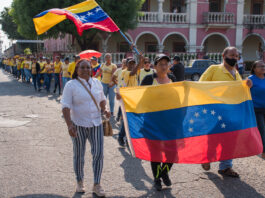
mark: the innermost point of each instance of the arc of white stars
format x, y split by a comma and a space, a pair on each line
89, 14
223, 126
190, 129
220, 118
196, 114
98, 9
191, 121
204, 111
213, 112
82, 18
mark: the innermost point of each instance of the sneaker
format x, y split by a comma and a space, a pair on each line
166, 180
121, 142
157, 184
98, 190
80, 187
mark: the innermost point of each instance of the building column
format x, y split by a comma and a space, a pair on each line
160, 10
192, 16
239, 24
161, 48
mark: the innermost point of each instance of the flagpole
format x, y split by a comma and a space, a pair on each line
134, 48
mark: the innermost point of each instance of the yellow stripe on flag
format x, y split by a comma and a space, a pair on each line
44, 23
182, 94
82, 7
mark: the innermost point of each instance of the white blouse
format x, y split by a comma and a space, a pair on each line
83, 109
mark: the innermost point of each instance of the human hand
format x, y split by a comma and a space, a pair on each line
72, 131
249, 83
118, 96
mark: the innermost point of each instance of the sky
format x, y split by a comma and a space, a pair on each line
6, 42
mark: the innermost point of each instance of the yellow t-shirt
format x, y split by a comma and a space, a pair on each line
219, 73
34, 68
127, 80
22, 65
57, 67
65, 70
107, 72
118, 73
27, 64
42, 67
143, 74
49, 68
71, 68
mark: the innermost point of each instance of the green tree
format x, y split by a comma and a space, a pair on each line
124, 13
8, 25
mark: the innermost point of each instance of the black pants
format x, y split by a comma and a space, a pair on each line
159, 169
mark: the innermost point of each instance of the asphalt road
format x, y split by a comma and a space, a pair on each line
36, 158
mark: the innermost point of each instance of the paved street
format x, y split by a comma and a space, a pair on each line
36, 158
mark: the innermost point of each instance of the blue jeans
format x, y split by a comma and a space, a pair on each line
47, 81
36, 81
122, 131
57, 82
27, 74
225, 164
65, 80
109, 91
261, 126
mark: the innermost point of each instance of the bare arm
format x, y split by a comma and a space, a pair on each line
67, 118
102, 105
140, 64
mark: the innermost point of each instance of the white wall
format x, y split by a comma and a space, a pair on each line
250, 46
215, 43
145, 38
170, 40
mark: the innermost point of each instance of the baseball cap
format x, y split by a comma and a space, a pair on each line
160, 57
94, 58
176, 58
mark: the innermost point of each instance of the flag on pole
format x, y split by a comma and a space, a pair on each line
190, 122
85, 15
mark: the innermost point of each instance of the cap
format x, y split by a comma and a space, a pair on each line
176, 58
130, 59
160, 57
94, 58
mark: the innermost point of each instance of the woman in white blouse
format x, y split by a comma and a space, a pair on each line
84, 122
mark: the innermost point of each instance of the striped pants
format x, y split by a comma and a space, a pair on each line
95, 138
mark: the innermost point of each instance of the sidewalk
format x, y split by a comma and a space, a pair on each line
36, 158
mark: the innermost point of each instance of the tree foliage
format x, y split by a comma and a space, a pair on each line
8, 25
124, 13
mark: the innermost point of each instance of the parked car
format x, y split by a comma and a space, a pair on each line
195, 68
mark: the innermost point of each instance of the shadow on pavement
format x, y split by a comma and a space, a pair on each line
134, 174
233, 187
40, 196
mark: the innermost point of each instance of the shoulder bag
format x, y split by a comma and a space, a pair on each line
107, 128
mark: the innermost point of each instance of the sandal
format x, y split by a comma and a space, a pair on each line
206, 166
229, 172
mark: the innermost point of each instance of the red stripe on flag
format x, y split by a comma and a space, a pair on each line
106, 25
201, 149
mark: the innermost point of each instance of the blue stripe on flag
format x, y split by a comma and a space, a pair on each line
192, 121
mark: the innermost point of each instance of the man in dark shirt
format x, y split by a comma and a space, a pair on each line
178, 69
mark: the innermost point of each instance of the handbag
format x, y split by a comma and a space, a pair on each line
107, 128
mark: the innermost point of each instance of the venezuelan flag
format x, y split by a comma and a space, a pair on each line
85, 15
191, 122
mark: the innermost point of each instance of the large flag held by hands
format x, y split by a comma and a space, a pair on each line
191, 122
85, 15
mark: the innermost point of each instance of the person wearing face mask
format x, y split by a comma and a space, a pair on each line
224, 72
